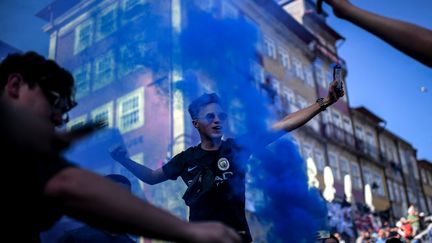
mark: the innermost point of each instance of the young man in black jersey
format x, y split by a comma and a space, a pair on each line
213, 170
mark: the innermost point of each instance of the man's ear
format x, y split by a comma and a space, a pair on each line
195, 123
13, 85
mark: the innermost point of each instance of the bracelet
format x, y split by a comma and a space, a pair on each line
320, 101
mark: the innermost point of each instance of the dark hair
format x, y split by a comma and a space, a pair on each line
120, 179
35, 69
203, 100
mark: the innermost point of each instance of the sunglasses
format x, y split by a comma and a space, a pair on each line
211, 116
60, 104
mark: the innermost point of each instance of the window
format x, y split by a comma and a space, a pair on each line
391, 192
336, 118
307, 152
325, 116
129, 56
344, 166
423, 176
320, 74
378, 180
76, 122
367, 176
270, 48
429, 175
104, 70
359, 132
319, 159
396, 192
355, 175
290, 98
370, 138
309, 77
83, 36
334, 165
284, 58
301, 102
82, 80
107, 22
228, 11
130, 110
104, 113
347, 124
298, 68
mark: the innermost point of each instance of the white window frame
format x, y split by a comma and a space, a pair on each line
307, 151
109, 108
270, 47
355, 175
101, 81
86, 71
334, 164
309, 77
80, 120
319, 159
78, 45
336, 118
112, 9
344, 166
347, 124
136, 94
284, 58
298, 68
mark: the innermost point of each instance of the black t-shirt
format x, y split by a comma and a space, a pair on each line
225, 200
27, 210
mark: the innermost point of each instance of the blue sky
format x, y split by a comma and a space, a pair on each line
386, 81
380, 78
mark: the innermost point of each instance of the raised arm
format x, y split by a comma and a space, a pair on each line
413, 40
101, 203
142, 172
299, 118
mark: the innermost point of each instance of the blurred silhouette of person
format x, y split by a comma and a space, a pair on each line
88, 234
35, 96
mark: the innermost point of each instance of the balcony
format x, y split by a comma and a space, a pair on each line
367, 149
339, 135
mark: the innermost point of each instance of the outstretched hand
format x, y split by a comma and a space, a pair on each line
334, 94
118, 153
64, 140
338, 6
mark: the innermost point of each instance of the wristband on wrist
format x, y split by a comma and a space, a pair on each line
320, 101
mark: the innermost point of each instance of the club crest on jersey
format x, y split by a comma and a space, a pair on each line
223, 164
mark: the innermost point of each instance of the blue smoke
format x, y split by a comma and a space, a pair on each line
221, 52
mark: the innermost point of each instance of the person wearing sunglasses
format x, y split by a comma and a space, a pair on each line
35, 95
211, 170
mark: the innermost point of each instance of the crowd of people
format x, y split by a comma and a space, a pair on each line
415, 227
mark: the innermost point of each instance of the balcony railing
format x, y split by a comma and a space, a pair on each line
339, 135
367, 149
